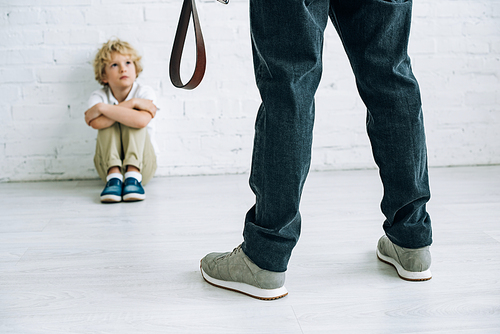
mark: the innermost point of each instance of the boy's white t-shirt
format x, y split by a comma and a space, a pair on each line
104, 95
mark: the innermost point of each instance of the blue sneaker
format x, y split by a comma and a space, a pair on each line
133, 190
112, 192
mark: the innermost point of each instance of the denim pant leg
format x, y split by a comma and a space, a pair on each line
375, 35
287, 42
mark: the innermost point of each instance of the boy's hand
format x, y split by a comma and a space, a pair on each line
145, 105
92, 114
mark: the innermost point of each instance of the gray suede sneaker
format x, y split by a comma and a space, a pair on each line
235, 271
411, 264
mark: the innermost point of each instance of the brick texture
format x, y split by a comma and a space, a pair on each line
47, 46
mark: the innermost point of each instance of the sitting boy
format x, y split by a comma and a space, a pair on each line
122, 112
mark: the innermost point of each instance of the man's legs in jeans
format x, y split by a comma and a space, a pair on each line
375, 36
287, 42
287, 39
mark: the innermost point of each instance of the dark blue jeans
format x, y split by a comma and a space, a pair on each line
287, 42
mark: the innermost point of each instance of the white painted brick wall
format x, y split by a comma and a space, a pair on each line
47, 46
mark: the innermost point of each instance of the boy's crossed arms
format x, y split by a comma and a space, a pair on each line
135, 113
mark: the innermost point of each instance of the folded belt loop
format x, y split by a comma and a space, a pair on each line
188, 8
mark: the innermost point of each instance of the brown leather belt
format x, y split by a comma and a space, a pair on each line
188, 8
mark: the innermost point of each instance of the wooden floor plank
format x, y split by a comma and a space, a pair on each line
69, 264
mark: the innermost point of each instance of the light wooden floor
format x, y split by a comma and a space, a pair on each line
69, 264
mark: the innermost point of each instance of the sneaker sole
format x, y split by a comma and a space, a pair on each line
111, 199
246, 289
134, 197
405, 274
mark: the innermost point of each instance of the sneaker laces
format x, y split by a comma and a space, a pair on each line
235, 251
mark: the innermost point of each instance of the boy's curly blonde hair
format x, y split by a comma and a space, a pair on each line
103, 57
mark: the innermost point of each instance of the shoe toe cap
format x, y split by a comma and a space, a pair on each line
132, 186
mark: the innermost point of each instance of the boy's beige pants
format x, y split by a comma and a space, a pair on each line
120, 145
